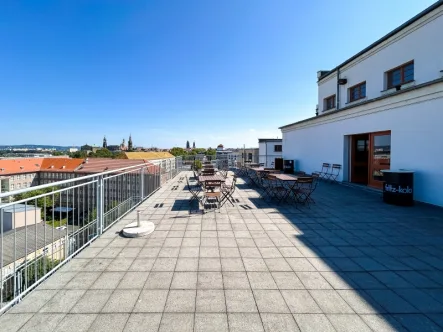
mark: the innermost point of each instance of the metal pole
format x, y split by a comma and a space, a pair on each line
138, 218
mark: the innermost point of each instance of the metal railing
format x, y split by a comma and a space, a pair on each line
43, 227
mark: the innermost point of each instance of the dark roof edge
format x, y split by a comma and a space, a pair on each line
416, 87
261, 140
389, 35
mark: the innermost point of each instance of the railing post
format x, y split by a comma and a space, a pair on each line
100, 204
142, 184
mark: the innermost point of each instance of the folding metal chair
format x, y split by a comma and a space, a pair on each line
303, 190
335, 172
195, 190
324, 173
227, 190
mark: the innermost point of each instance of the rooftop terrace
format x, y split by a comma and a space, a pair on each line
347, 263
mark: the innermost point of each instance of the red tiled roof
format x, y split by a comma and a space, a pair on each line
20, 165
98, 165
60, 164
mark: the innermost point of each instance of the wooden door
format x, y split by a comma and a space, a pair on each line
379, 157
360, 158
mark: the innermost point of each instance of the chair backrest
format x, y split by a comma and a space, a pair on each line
213, 183
336, 167
326, 165
305, 179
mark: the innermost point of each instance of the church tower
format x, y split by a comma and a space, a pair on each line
130, 143
193, 145
105, 143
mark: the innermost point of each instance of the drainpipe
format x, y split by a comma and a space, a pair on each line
338, 89
266, 157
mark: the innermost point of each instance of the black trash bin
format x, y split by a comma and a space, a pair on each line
398, 187
288, 167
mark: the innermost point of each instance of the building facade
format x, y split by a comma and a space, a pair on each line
381, 109
269, 149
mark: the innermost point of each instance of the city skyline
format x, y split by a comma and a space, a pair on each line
73, 69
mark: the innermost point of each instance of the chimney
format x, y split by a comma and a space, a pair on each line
63, 166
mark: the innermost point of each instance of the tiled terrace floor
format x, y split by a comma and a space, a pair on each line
349, 263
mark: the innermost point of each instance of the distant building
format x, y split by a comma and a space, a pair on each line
269, 149
72, 150
20, 215
87, 148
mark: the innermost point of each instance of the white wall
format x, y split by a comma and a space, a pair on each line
267, 154
415, 119
421, 42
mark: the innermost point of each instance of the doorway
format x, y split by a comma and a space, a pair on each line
370, 155
360, 159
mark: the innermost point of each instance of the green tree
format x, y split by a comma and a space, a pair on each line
211, 152
78, 154
102, 153
197, 165
119, 155
177, 151
59, 153
47, 201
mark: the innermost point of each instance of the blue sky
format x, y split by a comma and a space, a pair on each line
169, 71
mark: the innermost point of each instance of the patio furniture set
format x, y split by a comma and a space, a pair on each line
212, 187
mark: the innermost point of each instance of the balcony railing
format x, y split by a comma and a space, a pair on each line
43, 227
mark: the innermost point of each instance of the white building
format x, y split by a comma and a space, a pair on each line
269, 149
381, 109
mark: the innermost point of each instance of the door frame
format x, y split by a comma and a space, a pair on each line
371, 182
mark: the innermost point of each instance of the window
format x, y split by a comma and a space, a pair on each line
277, 148
357, 92
400, 75
329, 103
12, 187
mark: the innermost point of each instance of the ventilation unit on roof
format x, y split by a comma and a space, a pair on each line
63, 166
21, 167
52, 166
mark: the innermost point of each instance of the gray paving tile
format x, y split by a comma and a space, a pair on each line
210, 280
109, 322
360, 302
313, 323
164, 264
133, 280
417, 279
181, 301
145, 322
63, 301
159, 280
229, 252
348, 323
261, 280
184, 280
279, 322
151, 300
338, 280
240, 300
390, 301
177, 322
209, 264
57, 280
364, 280
13, 322
210, 300
417, 323
42, 322
330, 302
210, 322
313, 280
421, 300
278, 265
33, 302
108, 280
287, 280
232, 264
270, 301
382, 323
76, 323
209, 252
300, 301
142, 264
149, 252
245, 322
83, 280
255, 264
92, 301
186, 265
300, 265
121, 301
236, 280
